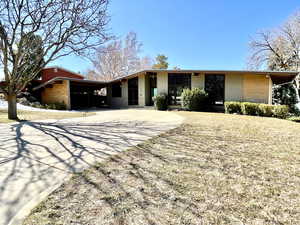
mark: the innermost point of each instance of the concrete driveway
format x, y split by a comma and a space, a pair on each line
36, 157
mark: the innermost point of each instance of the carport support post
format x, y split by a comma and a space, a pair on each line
141, 90
68, 104
270, 101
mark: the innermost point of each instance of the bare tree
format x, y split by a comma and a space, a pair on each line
119, 58
278, 49
64, 27
146, 63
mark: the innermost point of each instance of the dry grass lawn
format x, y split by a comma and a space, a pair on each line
214, 169
42, 115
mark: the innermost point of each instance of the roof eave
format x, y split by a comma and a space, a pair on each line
290, 73
67, 78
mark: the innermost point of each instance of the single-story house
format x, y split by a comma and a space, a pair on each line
60, 85
251, 86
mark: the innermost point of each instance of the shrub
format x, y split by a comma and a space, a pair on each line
161, 102
36, 105
253, 109
281, 111
294, 119
233, 107
194, 100
249, 108
266, 110
56, 105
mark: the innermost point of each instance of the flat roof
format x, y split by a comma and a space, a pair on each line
267, 72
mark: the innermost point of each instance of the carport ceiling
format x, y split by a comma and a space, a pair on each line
83, 86
277, 79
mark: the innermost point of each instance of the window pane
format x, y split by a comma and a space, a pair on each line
177, 82
214, 86
116, 90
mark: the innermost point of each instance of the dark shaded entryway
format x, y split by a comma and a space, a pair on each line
133, 91
87, 95
215, 87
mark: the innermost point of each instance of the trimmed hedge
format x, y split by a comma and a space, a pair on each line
161, 102
281, 111
194, 100
256, 109
249, 108
266, 110
233, 107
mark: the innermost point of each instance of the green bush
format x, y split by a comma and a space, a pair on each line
161, 102
194, 100
233, 107
253, 109
56, 106
281, 111
294, 119
250, 108
266, 110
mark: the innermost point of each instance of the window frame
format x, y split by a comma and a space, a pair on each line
177, 81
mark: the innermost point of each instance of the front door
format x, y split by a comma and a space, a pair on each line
133, 91
215, 87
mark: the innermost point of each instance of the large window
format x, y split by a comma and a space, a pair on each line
153, 86
214, 86
177, 82
116, 90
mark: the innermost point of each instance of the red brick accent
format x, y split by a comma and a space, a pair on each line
50, 73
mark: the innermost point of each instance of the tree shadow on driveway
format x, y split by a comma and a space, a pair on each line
37, 155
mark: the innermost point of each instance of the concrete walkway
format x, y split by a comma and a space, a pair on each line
36, 157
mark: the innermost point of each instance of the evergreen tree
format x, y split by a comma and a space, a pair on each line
161, 62
33, 53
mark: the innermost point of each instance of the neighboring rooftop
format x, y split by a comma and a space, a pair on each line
61, 68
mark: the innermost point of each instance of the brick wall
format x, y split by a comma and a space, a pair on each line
57, 93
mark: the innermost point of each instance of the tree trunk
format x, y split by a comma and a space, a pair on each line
12, 106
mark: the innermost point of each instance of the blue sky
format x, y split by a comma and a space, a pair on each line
194, 34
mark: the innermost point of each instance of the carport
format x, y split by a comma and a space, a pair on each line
75, 93
87, 94
280, 78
